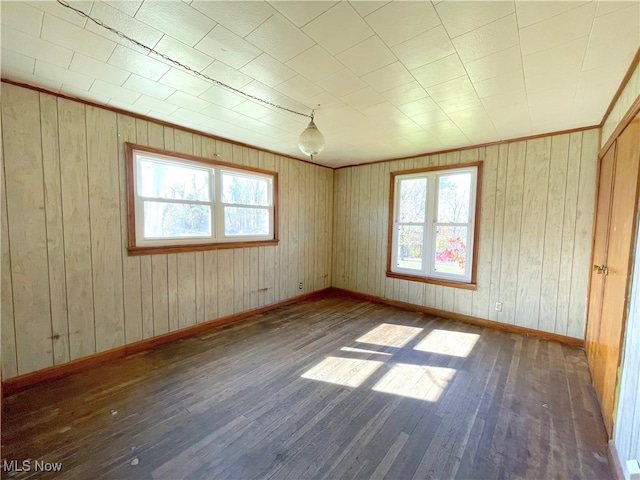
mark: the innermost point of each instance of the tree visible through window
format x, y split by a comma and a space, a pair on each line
432, 235
179, 200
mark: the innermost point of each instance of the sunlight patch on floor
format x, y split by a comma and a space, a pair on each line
389, 335
445, 342
349, 372
362, 350
415, 381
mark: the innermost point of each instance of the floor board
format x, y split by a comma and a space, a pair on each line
325, 389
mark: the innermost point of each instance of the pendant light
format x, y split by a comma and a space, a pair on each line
311, 141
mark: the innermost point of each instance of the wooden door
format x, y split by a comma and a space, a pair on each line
613, 247
599, 258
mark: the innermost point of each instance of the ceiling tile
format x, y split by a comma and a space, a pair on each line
324, 100
386, 78
405, 93
71, 36
223, 97
298, 88
494, 65
367, 56
315, 63
534, 12
62, 75
465, 16
603, 78
261, 90
186, 100
183, 53
462, 102
415, 53
116, 18
22, 17
57, 10
439, 71
613, 5
228, 75
37, 48
94, 68
502, 83
279, 38
130, 7
430, 117
418, 107
557, 30
151, 103
614, 37
338, 29
559, 60
268, 70
239, 17
170, 17
185, 82
365, 7
189, 116
342, 83
114, 92
148, 87
138, 63
86, 95
302, 12
363, 98
16, 63
487, 40
453, 88
229, 48
220, 113
414, 18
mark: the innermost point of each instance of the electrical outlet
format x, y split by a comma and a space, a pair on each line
300, 286
498, 306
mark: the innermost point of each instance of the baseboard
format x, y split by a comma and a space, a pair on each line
574, 342
22, 382
614, 462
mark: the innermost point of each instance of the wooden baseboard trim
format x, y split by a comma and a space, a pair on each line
22, 382
614, 462
574, 342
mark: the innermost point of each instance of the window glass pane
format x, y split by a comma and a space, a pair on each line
413, 198
454, 192
176, 182
175, 220
451, 250
241, 221
244, 189
410, 246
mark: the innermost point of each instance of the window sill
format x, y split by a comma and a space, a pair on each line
434, 281
136, 251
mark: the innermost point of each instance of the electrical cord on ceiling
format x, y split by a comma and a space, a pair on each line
120, 34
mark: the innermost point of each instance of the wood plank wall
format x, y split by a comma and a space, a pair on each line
535, 233
627, 97
69, 289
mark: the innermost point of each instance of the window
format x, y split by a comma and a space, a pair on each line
180, 203
433, 232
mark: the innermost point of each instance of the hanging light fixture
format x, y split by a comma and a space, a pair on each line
311, 141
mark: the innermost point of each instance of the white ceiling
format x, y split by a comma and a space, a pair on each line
387, 79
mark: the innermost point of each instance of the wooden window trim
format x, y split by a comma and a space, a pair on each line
134, 249
472, 285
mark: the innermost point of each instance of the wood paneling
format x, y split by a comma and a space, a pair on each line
534, 240
73, 291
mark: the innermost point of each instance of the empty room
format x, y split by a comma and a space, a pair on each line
320, 239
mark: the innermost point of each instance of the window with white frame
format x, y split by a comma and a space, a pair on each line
434, 223
179, 200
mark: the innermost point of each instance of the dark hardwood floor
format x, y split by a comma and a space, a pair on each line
335, 388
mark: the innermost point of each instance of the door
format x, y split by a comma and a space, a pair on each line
614, 236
